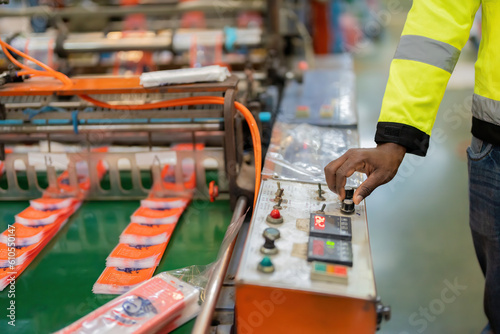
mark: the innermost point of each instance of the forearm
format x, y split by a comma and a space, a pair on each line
434, 34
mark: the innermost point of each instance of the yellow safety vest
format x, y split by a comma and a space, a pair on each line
434, 34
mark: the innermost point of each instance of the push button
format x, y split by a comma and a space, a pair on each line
274, 217
266, 265
270, 235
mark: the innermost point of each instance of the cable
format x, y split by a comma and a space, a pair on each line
50, 72
195, 100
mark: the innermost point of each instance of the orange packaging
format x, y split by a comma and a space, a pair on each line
144, 310
31, 216
188, 175
23, 235
82, 172
127, 256
7, 275
63, 182
22, 253
118, 281
158, 203
47, 203
151, 216
138, 234
16, 258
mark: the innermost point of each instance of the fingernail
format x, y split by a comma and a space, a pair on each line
359, 198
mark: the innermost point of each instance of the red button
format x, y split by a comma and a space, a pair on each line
275, 214
340, 271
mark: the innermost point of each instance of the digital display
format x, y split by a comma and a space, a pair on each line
319, 222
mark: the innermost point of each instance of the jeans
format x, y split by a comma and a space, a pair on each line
484, 199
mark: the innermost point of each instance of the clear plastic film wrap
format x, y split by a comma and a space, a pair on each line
326, 97
300, 152
162, 303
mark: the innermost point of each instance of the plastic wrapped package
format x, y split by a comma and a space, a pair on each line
148, 308
151, 216
11, 270
139, 234
22, 253
164, 203
27, 253
300, 152
185, 75
24, 236
115, 281
47, 203
33, 217
326, 98
127, 256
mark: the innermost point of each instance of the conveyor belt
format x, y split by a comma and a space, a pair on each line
56, 289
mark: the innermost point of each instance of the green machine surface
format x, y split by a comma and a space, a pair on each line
56, 289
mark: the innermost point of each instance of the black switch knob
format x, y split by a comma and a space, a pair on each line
347, 206
270, 235
349, 192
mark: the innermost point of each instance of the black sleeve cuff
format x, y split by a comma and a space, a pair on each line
415, 141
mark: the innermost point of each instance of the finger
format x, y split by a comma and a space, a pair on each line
331, 169
373, 181
343, 172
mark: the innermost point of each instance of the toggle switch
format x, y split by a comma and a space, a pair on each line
278, 206
320, 193
274, 217
266, 265
322, 210
279, 190
279, 195
270, 235
347, 206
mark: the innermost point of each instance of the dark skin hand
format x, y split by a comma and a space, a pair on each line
380, 164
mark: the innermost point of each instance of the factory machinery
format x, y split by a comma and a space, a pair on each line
301, 262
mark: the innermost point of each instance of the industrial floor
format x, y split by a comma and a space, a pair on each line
420, 238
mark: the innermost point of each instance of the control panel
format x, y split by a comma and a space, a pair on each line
303, 238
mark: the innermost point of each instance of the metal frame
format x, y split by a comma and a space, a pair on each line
111, 160
216, 121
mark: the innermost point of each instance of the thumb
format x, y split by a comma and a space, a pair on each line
366, 188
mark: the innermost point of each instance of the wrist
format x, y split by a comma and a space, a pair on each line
393, 148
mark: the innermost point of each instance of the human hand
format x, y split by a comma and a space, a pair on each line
380, 164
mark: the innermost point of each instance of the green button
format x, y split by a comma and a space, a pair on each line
320, 266
266, 262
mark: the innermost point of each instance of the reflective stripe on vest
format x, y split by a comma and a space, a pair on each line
428, 51
486, 109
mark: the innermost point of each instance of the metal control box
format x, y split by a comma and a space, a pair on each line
288, 300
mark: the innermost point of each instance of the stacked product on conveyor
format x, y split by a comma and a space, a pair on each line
36, 225
145, 239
